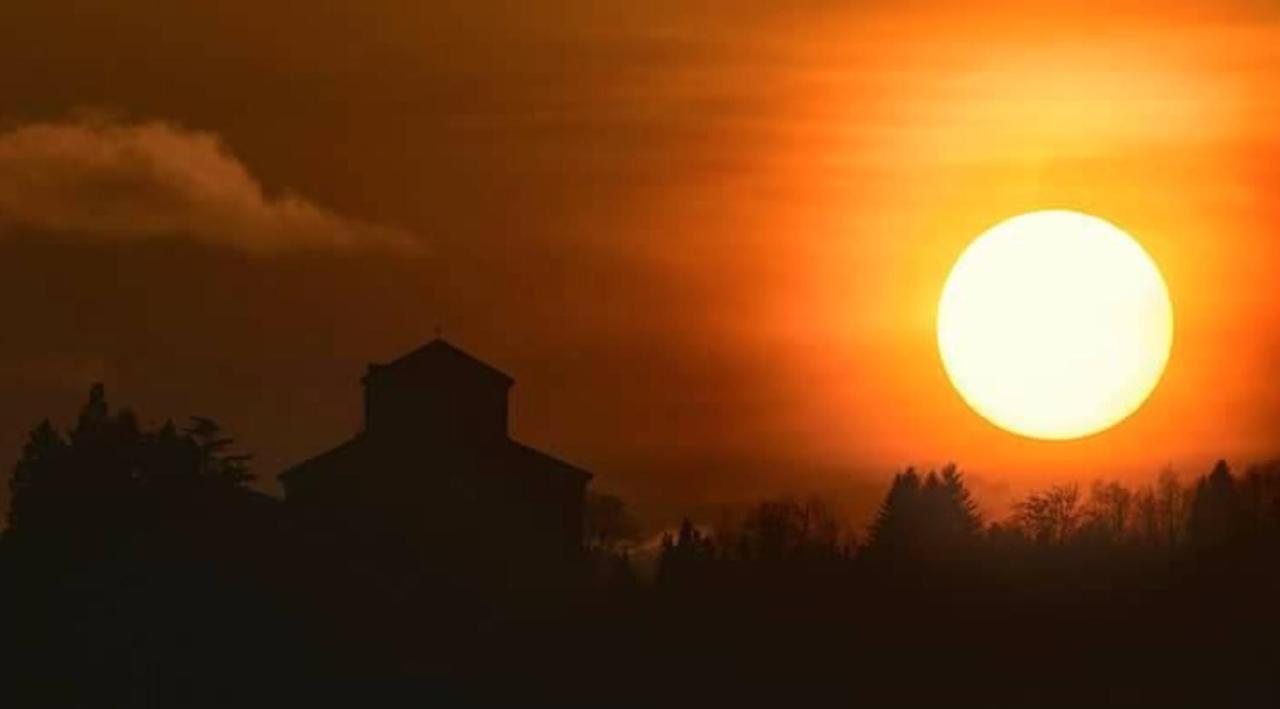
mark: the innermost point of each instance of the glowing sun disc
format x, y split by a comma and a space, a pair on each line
1055, 325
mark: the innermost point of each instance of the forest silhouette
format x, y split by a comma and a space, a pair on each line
139, 568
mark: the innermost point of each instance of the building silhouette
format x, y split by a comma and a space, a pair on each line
435, 473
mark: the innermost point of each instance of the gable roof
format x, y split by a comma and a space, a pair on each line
438, 355
336, 457
350, 456
544, 459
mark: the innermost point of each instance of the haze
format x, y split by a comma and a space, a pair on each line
709, 253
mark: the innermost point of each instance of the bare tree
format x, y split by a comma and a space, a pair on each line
1146, 517
1052, 516
1109, 510
1160, 511
610, 525
785, 528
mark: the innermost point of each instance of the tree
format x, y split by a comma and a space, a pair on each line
1215, 512
610, 526
1260, 498
36, 478
108, 478
785, 529
959, 522
1160, 511
931, 518
1109, 511
207, 449
1050, 517
893, 531
687, 558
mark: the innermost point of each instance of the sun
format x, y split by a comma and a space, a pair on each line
1055, 325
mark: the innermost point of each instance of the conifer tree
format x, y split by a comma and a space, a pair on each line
892, 533
963, 521
1215, 508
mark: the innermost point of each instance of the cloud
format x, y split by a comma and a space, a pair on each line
105, 180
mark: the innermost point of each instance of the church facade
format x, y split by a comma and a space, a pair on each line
436, 472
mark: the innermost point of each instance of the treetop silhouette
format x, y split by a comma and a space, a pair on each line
108, 476
924, 519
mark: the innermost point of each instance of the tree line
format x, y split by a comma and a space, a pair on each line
140, 557
933, 518
109, 479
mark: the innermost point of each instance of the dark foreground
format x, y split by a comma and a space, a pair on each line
140, 570
215, 632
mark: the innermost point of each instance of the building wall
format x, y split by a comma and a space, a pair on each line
441, 408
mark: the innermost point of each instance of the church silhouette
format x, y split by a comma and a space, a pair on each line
435, 472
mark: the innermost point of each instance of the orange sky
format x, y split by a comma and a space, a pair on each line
706, 238
907, 134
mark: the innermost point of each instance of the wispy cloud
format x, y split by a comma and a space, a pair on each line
107, 180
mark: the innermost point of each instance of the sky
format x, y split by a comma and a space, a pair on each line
706, 238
